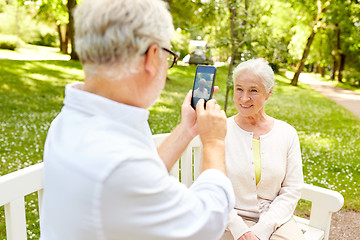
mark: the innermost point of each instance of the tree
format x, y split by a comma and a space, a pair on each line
344, 15
61, 12
236, 38
56, 11
316, 25
190, 19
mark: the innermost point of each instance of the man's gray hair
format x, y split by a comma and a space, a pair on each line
120, 31
260, 68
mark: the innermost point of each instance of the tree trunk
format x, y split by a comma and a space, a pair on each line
335, 53
234, 33
341, 66
17, 25
322, 68
315, 68
301, 64
333, 69
67, 38
322, 71
235, 36
62, 39
229, 80
71, 5
341, 55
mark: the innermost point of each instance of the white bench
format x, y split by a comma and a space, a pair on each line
15, 186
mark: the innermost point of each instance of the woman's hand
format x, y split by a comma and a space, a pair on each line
248, 236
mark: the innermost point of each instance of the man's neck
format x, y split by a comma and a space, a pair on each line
123, 91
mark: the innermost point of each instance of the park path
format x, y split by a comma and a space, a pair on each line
346, 98
345, 224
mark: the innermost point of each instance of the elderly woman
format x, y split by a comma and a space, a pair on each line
201, 91
263, 161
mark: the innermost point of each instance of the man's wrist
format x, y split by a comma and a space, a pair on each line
186, 131
213, 143
214, 155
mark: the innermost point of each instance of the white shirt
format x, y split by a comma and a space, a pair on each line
273, 200
103, 179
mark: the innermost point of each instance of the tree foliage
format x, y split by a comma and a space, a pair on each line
285, 32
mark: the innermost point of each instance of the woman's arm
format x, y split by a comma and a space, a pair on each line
236, 225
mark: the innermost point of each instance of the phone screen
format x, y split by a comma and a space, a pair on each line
203, 84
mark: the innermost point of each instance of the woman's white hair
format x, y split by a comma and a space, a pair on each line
260, 68
119, 31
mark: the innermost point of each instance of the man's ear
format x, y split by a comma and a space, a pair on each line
152, 60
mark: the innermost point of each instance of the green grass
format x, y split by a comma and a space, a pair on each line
31, 94
329, 136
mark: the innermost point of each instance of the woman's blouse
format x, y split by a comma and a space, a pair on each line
272, 201
257, 159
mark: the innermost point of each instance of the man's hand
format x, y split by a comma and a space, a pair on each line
188, 115
172, 148
211, 124
211, 121
248, 236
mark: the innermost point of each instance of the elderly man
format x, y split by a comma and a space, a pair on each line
103, 176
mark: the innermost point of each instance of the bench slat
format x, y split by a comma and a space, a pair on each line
15, 220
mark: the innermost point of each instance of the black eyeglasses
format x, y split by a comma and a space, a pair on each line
172, 58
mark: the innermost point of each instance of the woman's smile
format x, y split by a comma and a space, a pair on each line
246, 106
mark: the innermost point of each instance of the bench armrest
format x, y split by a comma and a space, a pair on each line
324, 203
25, 181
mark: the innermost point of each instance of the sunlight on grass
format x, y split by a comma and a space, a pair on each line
162, 109
34, 52
321, 141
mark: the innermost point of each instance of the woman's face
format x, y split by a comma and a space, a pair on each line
249, 94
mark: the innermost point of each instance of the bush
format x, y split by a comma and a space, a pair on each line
8, 42
47, 39
275, 67
352, 77
19, 20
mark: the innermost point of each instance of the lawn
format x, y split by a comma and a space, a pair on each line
31, 94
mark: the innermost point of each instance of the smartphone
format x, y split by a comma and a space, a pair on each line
203, 84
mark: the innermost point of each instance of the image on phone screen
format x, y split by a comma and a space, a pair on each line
203, 84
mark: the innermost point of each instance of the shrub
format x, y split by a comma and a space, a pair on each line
275, 67
8, 42
47, 39
352, 77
